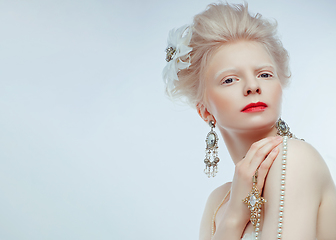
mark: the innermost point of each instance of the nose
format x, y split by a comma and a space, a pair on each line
252, 86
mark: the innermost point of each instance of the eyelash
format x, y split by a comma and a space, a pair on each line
234, 79
269, 75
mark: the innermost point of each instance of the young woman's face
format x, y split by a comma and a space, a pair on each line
239, 74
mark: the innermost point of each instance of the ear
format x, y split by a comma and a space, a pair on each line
204, 113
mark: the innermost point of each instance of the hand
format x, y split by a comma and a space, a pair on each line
260, 156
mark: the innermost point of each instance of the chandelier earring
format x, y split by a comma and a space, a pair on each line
211, 152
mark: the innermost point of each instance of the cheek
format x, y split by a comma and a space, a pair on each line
276, 95
279, 93
219, 102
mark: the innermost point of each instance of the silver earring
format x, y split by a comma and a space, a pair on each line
284, 130
211, 151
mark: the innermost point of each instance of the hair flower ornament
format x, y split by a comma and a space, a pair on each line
177, 54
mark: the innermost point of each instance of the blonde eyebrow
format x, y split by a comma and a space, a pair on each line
266, 66
223, 71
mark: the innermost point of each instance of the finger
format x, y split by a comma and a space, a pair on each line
265, 167
262, 153
255, 147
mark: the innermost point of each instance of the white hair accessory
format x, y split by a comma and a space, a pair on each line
177, 54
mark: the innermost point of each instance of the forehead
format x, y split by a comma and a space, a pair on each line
239, 56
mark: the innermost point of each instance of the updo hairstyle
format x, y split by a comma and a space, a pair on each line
217, 25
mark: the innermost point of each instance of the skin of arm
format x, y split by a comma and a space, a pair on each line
310, 197
214, 199
310, 200
233, 215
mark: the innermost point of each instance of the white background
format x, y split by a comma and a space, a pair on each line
91, 148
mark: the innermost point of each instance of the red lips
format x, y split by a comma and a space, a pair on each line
255, 107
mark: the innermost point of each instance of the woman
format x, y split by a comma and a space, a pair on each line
232, 67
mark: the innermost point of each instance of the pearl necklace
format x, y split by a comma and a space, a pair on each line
282, 187
282, 196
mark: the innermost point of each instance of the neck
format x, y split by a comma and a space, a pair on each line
238, 143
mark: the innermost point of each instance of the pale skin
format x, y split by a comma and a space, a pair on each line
237, 74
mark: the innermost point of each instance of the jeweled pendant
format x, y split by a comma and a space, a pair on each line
254, 203
211, 152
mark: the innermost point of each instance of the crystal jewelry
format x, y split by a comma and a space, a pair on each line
211, 151
281, 198
177, 54
284, 130
254, 202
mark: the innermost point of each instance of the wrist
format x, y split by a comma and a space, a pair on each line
232, 223
236, 217
234, 220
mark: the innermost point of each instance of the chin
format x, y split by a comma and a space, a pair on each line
259, 123
265, 123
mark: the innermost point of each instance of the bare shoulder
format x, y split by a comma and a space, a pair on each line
306, 182
298, 149
305, 170
217, 195
214, 199
306, 162
319, 180
304, 165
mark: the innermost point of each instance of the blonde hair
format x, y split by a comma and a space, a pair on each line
217, 25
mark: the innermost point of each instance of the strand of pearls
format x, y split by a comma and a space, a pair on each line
282, 187
256, 231
282, 198
282, 193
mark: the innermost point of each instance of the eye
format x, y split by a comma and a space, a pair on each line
265, 75
228, 80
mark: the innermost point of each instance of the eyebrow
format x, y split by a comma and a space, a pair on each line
266, 66
235, 70
223, 71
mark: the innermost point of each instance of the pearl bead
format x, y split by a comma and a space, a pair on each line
257, 229
257, 225
258, 215
282, 187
